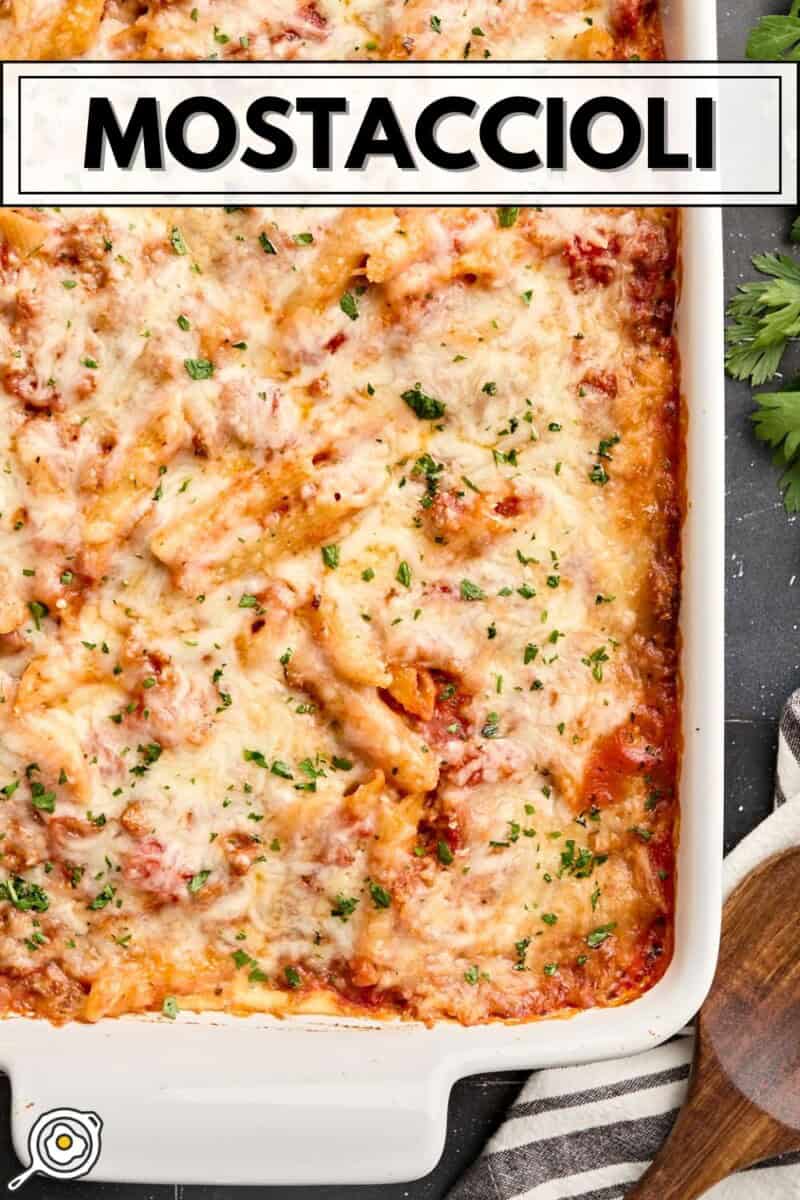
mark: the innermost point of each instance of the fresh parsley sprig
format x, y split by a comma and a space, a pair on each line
776, 38
763, 317
777, 422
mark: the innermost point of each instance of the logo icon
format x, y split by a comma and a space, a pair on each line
63, 1143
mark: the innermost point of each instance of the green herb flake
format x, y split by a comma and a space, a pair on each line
38, 611
169, 1007
444, 853
103, 898
426, 407
343, 906
470, 591
380, 897
176, 239
506, 217
599, 935
349, 306
199, 368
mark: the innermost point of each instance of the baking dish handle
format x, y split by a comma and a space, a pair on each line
187, 1103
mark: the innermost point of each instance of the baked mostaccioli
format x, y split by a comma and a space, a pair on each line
338, 602
247, 30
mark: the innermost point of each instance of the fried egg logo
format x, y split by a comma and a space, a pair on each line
63, 1143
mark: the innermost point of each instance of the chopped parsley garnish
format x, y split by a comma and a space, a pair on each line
292, 977
38, 611
199, 368
266, 244
599, 935
150, 753
380, 897
344, 906
470, 591
430, 470
579, 862
198, 881
184, 323
607, 445
349, 306
170, 1007
257, 757
506, 217
178, 244
444, 853
42, 800
330, 556
595, 662
303, 239
426, 407
491, 725
404, 574
472, 975
436, 24
103, 898
25, 896
521, 948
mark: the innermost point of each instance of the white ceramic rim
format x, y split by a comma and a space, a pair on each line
232, 1100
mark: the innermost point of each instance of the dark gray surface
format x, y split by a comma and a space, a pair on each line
762, 667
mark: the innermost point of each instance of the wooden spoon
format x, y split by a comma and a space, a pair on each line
744, 1093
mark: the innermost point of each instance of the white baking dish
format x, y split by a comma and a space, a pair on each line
229, 1100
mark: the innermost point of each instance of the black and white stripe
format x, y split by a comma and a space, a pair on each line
587, 1133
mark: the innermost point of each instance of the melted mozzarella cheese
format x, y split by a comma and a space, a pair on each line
337, 602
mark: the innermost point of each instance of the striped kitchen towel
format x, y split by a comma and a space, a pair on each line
587, 1133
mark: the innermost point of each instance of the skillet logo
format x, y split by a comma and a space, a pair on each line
63, 1143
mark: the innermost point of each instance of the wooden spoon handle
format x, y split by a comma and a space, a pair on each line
672, 1178
716, 1133
686, 1166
